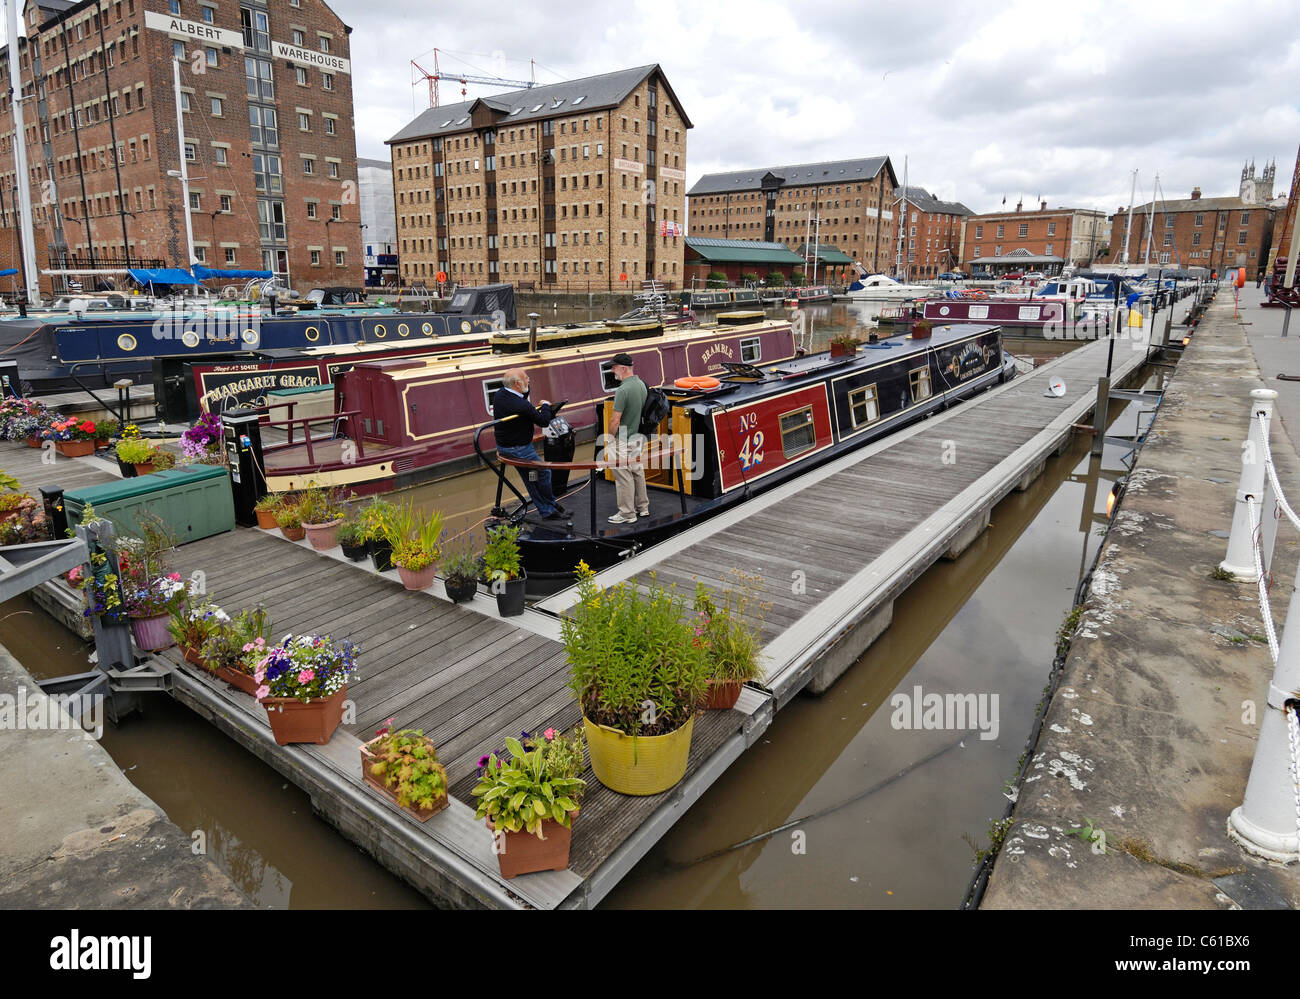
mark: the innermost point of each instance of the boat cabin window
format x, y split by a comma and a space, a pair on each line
751, 350
920, 384
797, 432
490, 389
978, 312
607, 378
864, 406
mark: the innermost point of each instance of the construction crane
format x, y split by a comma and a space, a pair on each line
464, 79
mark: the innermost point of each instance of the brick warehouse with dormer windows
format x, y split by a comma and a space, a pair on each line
572, 184
1214, 233
854, 199
1046, 240
266, 95
934, 230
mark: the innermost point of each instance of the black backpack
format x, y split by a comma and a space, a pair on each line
653, 412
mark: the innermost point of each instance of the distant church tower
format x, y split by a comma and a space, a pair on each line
1257, 191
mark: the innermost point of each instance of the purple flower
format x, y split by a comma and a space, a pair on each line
482, 761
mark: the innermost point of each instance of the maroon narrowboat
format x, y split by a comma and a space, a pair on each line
401, 421
808, 296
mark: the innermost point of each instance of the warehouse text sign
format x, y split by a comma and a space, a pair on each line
193, 29
323, 60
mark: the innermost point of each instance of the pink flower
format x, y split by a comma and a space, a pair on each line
175, 576
262, 691
259, 675
306, 676
549, 733
248, 647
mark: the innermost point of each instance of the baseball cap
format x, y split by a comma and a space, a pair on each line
622, 359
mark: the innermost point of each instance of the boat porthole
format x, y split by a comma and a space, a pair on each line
380, 332
190, 338
465, 327
427, 329
943, 310
126, 342
403, 330
312, 334
250, 336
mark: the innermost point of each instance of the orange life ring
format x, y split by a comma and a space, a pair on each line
697, 382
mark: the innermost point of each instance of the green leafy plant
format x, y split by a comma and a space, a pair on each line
352, 534
407, 764
414, 536
538, 781
627, 648
135, 451
374, 517
717, 279
797, 279
321, 506
775, 279
238, 644
194, 619
461, 565
730, 627
289, 515
163, 460
106, 430
501, 561
269, 503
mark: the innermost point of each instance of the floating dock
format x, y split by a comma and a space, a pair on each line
868, 525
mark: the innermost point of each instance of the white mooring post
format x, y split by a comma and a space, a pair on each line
1241, 553
1265, 822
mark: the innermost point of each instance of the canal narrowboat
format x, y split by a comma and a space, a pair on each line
809, 295
760, 426
403, 421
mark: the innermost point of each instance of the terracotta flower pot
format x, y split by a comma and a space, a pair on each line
76, 449
143, 467
33, 442
266, 520
723, 694
151, 633
323, 536
647, 764
524, 853
241, 681
293, 533
423, 814
192, 656
313, 721
417, 579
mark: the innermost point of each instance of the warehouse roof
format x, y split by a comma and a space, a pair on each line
798, 175
746, 251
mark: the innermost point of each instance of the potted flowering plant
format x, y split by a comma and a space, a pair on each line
24, 420
130, 432
921, 329
201, 443
322, 515
627, 650
150, 604
729, 630
844, 345
403, 767
530, 799
460, 572
505, 572
192, 621
374, 517
266, 509
302, 683
138, 453
74, 438
414, 537
289, 517
352, 539
105, 430
234, 649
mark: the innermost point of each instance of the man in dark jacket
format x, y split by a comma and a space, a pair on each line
515, 438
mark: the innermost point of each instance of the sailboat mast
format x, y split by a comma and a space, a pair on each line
185, 173
899, 269
24, 196
1128, 221
1151, 220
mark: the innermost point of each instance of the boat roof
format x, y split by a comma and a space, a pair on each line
784, 375
403, 369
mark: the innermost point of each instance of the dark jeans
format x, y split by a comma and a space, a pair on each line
540, 488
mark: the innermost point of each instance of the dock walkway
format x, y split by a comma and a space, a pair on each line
860, 530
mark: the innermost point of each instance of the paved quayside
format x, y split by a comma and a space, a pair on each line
1150, 735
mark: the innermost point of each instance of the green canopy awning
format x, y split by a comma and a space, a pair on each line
741, 251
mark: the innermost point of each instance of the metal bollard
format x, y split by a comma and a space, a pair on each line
1264, 824
1240, 560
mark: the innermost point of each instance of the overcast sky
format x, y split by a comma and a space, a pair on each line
1060, 101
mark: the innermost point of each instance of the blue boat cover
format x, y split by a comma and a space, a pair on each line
164, 275
205, 273
8, 271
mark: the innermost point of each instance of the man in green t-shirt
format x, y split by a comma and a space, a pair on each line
625, 429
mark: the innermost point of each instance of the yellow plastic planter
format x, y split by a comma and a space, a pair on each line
648, 764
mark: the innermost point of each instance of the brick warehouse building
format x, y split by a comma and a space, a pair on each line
571, 184
854, 199
1215, 233
1045, 240
267, 99
933, 232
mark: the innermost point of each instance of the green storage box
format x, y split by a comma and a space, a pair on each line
195, 501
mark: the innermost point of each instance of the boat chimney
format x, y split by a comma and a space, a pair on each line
1196, 194
532, 332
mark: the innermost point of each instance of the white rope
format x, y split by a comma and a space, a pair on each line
1293, 731
1272, 474
1265, 611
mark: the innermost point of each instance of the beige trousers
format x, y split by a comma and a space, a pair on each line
629, 483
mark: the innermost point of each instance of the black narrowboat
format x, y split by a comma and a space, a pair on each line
727, 439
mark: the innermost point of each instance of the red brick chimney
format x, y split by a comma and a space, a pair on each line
1043, 207
1196, 194
1020, 205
